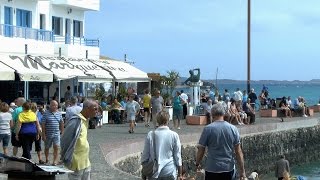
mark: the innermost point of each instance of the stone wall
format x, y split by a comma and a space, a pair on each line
260, 151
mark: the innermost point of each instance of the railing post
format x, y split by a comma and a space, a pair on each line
26, 49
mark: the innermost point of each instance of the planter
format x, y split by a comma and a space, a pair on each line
268, 113
196, 120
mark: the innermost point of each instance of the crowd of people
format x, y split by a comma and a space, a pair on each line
25, 123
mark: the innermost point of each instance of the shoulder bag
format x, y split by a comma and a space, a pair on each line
148, 168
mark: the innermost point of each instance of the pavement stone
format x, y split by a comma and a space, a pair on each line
113, 137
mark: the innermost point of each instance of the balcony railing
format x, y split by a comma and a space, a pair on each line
76, 40
24, 32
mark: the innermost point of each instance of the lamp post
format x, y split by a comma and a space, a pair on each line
248, 44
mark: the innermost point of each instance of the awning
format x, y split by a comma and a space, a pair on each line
60, 68
96, 73
122, 71
6, 73
27, 69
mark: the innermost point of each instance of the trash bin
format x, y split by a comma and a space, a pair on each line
21, 168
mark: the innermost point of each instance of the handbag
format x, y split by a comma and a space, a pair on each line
150, 167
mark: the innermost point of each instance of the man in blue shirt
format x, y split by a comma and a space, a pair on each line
222, 139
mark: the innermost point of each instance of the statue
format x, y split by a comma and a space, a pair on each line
194, 78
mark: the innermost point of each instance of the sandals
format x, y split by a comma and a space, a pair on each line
131, 131
41, 162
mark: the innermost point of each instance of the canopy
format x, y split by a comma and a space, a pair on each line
6, 73
27, 69
60, 68
97, 73
122, 71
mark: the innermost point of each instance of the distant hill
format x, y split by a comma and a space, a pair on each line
210, 82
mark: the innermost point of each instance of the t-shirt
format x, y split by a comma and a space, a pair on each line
156, 103
132, 108
146, 100
177, 102
52, 122
15, 116
220, 137
184, 97
5, 119
67, 95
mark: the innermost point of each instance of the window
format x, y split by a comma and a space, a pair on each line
77, 28
8, 31
24, 18
42, 21
57, 25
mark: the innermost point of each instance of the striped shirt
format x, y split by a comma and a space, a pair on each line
52, 121
5, 119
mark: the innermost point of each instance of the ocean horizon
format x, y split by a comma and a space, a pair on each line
310, 91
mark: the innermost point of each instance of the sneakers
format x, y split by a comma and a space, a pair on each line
305, 115
178, 128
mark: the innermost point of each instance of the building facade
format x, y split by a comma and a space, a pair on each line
47, 28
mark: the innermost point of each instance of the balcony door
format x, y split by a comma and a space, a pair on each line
57, 25
77, 28
8, 29
24, 18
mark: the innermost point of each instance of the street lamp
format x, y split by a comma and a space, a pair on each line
248, 44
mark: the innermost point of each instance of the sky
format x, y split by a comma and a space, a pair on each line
164, 35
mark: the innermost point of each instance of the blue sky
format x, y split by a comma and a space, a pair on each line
162, 35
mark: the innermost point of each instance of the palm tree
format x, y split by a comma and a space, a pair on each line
169, 82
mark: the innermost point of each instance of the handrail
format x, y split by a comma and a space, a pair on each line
8, 30
76, 40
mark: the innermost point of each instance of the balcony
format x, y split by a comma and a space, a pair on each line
81, 4
76, 41
10, 31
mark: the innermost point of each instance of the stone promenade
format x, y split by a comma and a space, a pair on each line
112, 142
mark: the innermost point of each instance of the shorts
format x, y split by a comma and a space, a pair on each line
14, 141
146, 109
5, 138
37, 144
55, 140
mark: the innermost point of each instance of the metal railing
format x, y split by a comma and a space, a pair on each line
25, 32
76, 40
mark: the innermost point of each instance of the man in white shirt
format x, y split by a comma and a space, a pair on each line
74, 109
238, 96
184, 97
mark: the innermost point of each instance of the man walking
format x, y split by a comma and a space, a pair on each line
74, 142
52, 127
222, 140
73, 109
282, 166
15, 115
156, 106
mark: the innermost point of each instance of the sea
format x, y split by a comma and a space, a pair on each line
311, 93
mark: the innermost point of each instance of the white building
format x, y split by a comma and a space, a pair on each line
43, 46
47, 27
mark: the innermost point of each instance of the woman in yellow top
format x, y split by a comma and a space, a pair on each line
28, 129
146, 107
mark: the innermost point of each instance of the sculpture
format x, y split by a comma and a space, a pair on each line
193, 77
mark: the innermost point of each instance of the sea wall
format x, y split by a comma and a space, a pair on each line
260, 151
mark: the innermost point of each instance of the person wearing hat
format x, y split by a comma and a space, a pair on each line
12, 107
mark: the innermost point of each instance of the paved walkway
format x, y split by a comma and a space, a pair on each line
111, 142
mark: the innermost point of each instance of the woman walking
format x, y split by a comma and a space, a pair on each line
177, 110
37, 144
28, 129
132, 109
163, 145
5, 124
